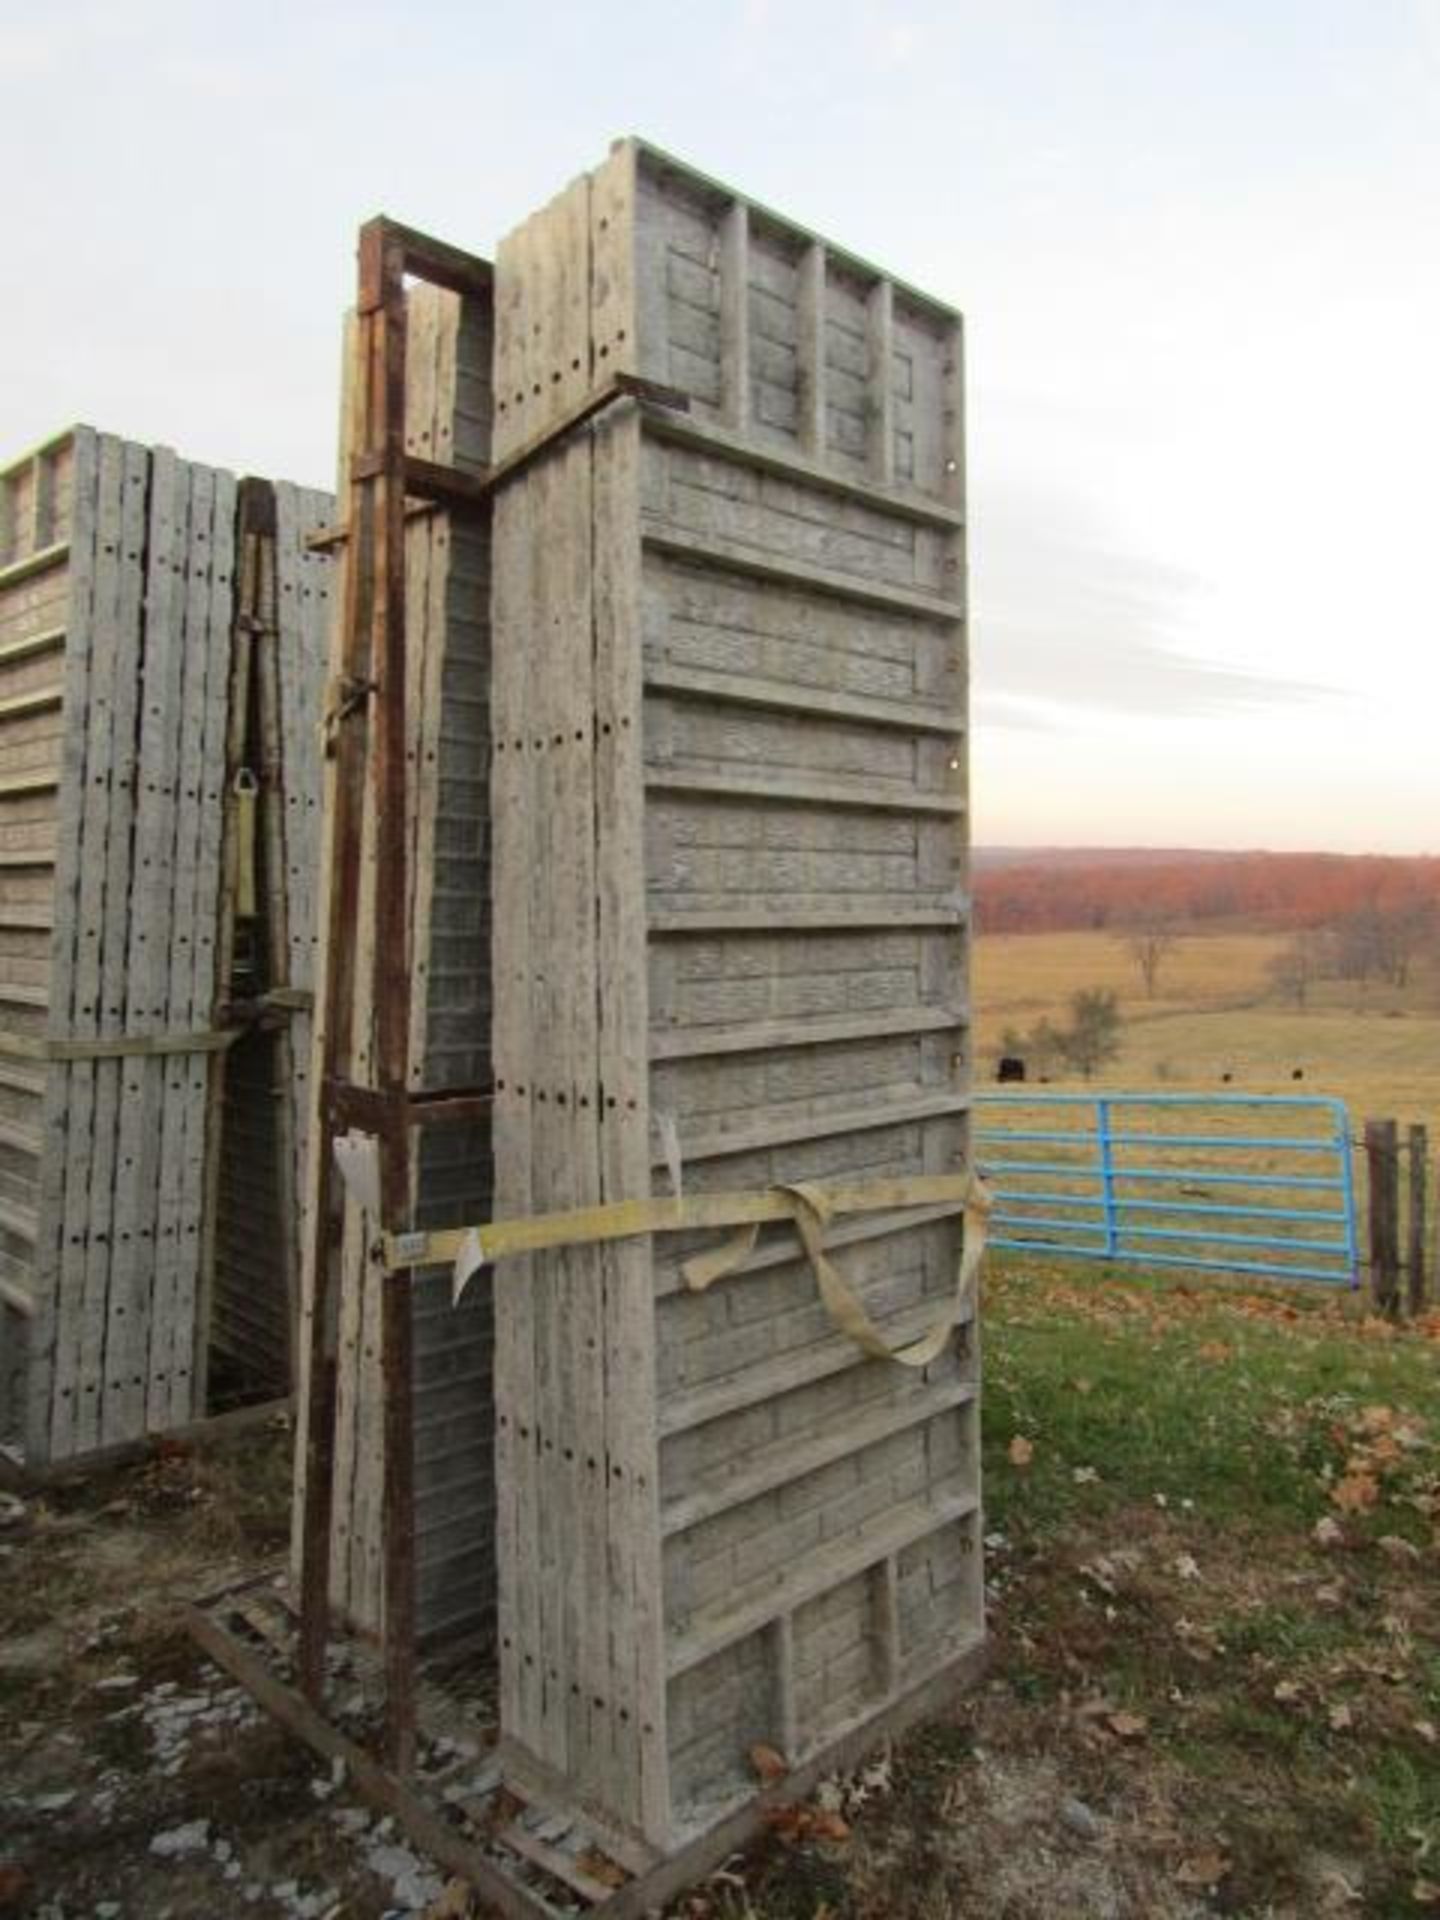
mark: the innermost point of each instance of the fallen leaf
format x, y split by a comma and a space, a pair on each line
601, 1867
1022, 1451
1287, 1692
1328, 1532
1203, 1870
1127, 1726
1402, 1552
1341, 1719
829, 1826
1427, 1732
789, 1822
451, 1903
1355, 1492
1425, 1893
1085, 1476
768, 1764
1187, 1566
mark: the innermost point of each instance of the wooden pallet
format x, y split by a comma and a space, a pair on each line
529, 1857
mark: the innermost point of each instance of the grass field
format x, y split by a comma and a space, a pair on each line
1216, 1011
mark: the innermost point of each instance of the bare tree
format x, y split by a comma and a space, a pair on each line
1149, 942
1297, 966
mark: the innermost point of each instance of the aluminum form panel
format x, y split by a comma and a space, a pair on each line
793, 631
140, 1296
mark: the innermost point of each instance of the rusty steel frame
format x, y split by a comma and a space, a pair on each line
383, 483
369, 747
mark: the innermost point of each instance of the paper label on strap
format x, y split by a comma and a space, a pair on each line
669, 1134
357, 1158
468, 1262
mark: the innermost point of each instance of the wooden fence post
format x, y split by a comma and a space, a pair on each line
1382, 1157
1419, 1169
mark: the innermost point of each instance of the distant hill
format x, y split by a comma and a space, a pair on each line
1053, 889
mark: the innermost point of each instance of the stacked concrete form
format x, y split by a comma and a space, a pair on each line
448, 355
730, 949
136, 656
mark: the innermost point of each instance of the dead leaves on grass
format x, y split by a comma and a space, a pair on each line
1356, 1492
768, 1765
1127, 1726
1021, 1451
1385, 1460
1202, 1872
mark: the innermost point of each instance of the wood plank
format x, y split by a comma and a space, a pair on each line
51, 641
760, 918
513, 806
880, 405
129, 1306
206, 1070
797, 790
81, 1325
558, 1865
755, 1385
722, 1142
710, 1630
775, 1465
49, 1372
754, 1036
735, 317
45, 561
512, 786
784, 1249
16, 785
641, 1738
811, 356
785, 697
806, 468
42, 700
661, 537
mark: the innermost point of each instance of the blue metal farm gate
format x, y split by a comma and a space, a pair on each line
1237, 1183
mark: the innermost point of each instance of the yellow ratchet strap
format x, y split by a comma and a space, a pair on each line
808, 1207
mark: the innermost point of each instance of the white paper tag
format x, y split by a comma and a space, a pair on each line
357, 1157
670, 1146
468, 1262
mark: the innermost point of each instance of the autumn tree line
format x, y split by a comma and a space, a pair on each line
1058, 892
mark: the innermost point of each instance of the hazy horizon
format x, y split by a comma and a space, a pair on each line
1195, 249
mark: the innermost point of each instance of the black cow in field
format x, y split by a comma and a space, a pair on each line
1012, 1067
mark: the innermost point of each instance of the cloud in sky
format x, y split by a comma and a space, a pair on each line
1067, 621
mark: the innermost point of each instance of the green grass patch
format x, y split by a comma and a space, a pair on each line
1178, 1445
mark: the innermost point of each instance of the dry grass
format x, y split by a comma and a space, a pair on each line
1216, 1012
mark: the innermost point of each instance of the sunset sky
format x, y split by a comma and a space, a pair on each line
1198, 249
